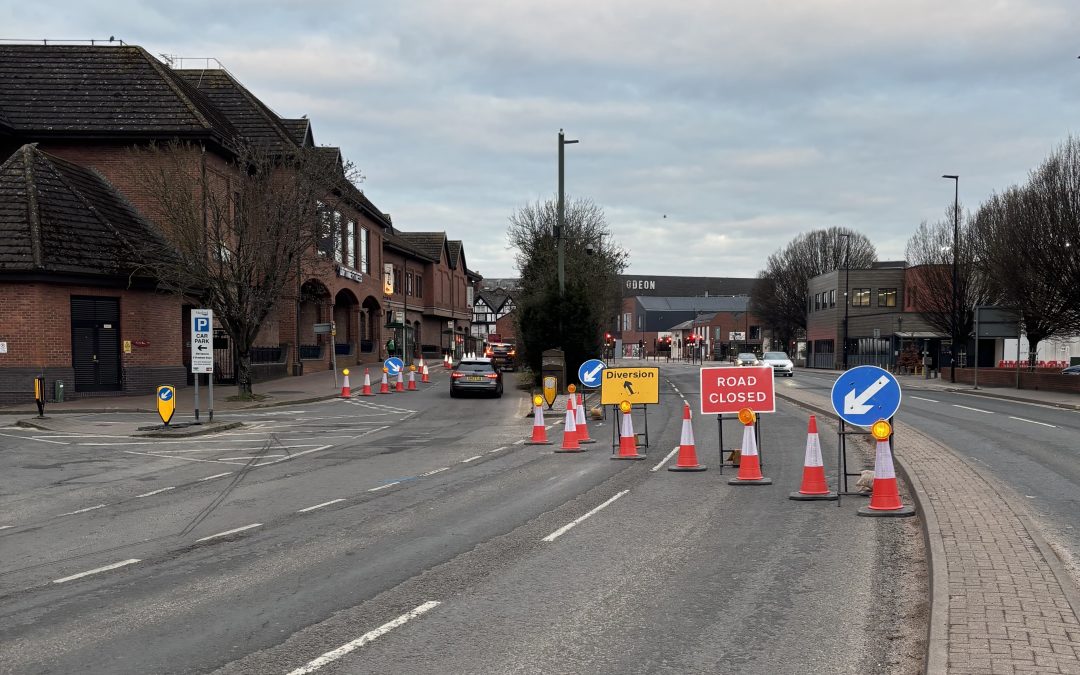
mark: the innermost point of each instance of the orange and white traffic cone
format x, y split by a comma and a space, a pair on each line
570, 433
885, 499
412, 381
687, 452
539, 431
813, 477
384, 388
424, 377
400, 384
345, 393
579, 421
749, 462
366, 391
627, 439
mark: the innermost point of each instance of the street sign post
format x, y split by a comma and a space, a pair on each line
590, 374
637, 386
202, 353
865, 394
729, 390
393, 366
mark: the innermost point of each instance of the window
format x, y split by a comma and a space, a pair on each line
886, 297
338, 255
755, 333
817, 302
350, 244
626, 321
832, 298
641, 322
397, 280
325, 236
364, 252
419, 286
860, 297
408, 284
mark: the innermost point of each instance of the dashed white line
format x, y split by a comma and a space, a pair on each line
466, 461
228, 532
331, 656
491, 452
216, 475
665, 460
521, 442
956, 405
432, 473
6, 527
87, 573
319, 506
1054, 426
920, 398
155, 492
383, 487
39, 440
562, 530
89, 508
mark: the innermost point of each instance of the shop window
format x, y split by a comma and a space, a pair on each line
886, 297
860, 297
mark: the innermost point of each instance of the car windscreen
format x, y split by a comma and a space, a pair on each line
779, 356
475, 368
747, 356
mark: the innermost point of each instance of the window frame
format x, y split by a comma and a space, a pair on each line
860, 297
887, 294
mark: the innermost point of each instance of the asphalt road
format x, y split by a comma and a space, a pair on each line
415, 534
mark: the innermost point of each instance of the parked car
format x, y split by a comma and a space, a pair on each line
747, 359
476, 376
1071, 370
780, 363
502, 354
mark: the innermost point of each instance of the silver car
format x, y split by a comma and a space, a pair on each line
780, 363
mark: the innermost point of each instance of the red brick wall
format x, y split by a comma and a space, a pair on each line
1038, 381
505, 327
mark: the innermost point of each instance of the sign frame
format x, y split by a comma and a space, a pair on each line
618, 390
202, 335
768, 405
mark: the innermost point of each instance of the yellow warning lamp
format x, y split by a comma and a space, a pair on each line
747, 416
625, 407
346, 372
571, 388
385, 369
412, 367
881, 430
538, 400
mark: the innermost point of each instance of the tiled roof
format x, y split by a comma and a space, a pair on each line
704, 304
66, 90
56, 216
395, 240
300, 130
254, 121
455, 246
494, 298
431, 244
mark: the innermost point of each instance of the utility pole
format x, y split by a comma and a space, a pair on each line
955, 276
561, 217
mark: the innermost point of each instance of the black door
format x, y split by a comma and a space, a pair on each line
95, 343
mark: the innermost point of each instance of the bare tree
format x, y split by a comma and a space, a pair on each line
239, 234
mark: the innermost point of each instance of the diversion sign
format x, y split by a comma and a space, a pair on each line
729, 390
633, 385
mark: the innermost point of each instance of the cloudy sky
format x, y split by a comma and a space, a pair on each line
743, 122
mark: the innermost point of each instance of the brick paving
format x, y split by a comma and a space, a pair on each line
1007, 611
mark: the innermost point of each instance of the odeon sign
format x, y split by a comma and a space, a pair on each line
641, 284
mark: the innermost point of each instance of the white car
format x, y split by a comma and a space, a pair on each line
780, 363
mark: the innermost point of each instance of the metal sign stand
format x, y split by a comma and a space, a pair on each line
615, 431
842, 472
757, 437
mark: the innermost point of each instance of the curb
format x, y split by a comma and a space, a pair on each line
88, 411
937, 639
205, 431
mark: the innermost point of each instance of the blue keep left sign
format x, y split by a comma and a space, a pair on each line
591, 373
865, 394
394, 365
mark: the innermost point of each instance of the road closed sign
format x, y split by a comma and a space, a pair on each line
729, 390
634, 385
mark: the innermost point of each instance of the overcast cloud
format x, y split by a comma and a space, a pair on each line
745, 123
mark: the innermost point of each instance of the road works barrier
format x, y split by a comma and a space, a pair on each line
885, 499
749, 466
424, 376
400, 384
384, 387
539, 431
366, 390
412, 381
570, 433
579, 420
627, 438
687, 452
345, 392
813, 486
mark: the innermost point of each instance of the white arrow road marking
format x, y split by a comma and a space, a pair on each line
591, 375
856, 405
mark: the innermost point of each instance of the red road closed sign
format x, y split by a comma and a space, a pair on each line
729, 390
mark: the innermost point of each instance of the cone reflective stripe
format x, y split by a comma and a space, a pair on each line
886, 495
579, 421
424, 378
627, 439
570, 433
412, 381
384, 388
813, 480
400, 384
366, 391
345, 391
687, 451
539, 431
749, 462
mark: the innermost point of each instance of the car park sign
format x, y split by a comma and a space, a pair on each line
591, 373
729, 390
865, 394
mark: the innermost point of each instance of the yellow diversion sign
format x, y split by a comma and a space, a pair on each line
635, 385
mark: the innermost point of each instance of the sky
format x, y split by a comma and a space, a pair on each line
711, 132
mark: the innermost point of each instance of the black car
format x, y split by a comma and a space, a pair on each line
476, 376
503, 355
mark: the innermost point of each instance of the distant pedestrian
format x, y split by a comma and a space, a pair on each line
391, 347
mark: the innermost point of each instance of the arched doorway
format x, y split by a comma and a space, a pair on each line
346, 320
369, 323
315, 307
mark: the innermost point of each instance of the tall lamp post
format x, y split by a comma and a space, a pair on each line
847, 290
955, 276
561, 216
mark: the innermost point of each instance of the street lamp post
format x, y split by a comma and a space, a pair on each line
847, 290
561, 216
955, 276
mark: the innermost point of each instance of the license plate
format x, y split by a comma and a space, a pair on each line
474, 379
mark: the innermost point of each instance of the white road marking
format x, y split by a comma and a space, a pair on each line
955, 405
39, 440
89, 508
1053, 426
228, 532
155, 492
432, 473
491, 452
319, 506
466, 461
87, 573
6, 527
665, 460
331, 656
247, 457
562, 530
383, 487
675, 388
217, 475
920, 398
521, 442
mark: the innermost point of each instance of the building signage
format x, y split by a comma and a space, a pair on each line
388, 279
343, 271
641, 284
633, 385
202, 341
729, 390
736, 336
3, 348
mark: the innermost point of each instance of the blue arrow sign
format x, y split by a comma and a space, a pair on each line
866, 394
394, 365
591, 373
165, 394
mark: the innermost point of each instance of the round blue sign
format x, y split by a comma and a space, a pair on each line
591, 373
394, 365
165, 394
865, 394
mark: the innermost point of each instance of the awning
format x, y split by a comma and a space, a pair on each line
920, 335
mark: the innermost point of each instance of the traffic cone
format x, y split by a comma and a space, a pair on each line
579, 421
687, 452
412, 381
400, 384
885, 499
366, 391
384, 388
539, 431
627, 439
813, 477
749, 464
570, 433
424, 377
345, 393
